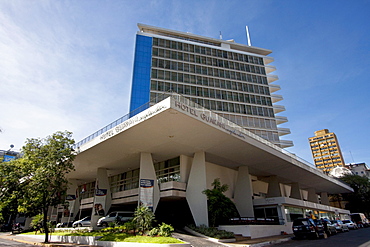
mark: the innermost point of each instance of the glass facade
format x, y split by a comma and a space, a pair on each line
124, 181
168, 170
231, 82
141, 74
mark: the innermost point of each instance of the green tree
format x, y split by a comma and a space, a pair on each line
220, 207
143, 218
46, 164
11, 174
359, 200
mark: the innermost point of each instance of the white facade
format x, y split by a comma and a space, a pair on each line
183, 147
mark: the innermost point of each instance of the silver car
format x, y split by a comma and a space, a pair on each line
351, 225
83, 222
340, 226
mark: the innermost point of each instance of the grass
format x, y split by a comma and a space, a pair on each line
117, 237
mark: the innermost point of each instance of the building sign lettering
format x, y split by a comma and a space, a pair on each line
207, 118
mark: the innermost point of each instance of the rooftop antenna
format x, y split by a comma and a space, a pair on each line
352, 157
248, 37
220, 35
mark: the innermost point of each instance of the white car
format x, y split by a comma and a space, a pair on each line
340, 226
123, 216
351, 225
82, 222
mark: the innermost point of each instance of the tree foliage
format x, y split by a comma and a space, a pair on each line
220, 207
143, 218
39, 176
359, 200
11, 190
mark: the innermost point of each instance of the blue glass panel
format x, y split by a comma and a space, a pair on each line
140, 88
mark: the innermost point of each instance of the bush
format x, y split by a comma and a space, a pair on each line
212, 232
154, 232
165, 230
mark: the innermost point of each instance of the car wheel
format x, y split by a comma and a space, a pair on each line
315, 235
104, 224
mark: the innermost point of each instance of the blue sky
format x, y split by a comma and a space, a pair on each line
67, 65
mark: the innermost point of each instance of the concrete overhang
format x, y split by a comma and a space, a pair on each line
177, 126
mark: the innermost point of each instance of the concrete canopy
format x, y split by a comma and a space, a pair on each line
176, 126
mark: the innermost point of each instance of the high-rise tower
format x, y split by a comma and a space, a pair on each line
325, 150
228, 78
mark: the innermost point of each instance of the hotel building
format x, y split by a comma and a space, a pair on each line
326, 151
172, 146
231, 79
168, 154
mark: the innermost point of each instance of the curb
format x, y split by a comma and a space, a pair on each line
269, 242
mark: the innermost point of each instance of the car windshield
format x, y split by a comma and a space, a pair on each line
347, 221
301, 222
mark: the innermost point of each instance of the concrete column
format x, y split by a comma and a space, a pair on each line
102, 203
196, 184
274, 187
312, 196
295, 191
324, 198
72, 204
243, 193
147, 171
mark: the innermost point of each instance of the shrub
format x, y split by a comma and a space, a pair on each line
143, 218
154, 232
212, 232
165, 230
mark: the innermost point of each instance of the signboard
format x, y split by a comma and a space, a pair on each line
147, 192
99, 201
8, 158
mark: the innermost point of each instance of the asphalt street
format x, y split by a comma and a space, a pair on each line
353, 238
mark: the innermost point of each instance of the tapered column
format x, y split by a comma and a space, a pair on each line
102, 196
312, 196
196, 185
71, 205
243, 193
295, 191
274, 187
324, 198
147, 173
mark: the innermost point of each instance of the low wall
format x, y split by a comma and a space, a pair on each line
258, 231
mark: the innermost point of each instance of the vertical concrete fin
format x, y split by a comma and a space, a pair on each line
102, 183
72, 205
196, 184
244, 192
296, 191
324, 198
147, 171
274, 187
312, 196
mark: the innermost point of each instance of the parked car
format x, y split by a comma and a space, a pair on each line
307, 228
122, 216
83, 222
64, 224
360, 219
340, 226
328, 227
350, 224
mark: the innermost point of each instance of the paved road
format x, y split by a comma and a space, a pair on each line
353, 238
5, 242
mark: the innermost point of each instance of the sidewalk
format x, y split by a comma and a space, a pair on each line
29, 240
259, 242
